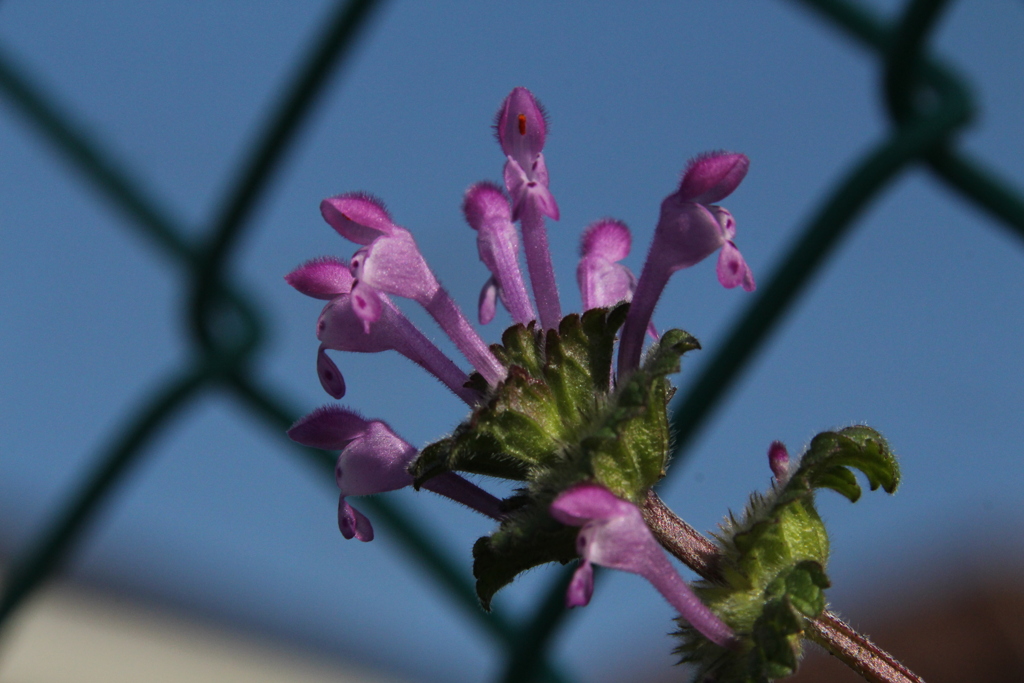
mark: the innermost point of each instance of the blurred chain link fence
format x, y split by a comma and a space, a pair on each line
928, 104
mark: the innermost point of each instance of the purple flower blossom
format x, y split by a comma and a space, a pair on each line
602, 279
487, 211
522, 130
614, 535
360, 317
689, 230
322, 278
374, 459
391, 263
340, 328
778, 460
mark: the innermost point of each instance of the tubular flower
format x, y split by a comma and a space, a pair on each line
583, 441
690, 229
391, 263
487, 211
613, 534
374, 459
522, 129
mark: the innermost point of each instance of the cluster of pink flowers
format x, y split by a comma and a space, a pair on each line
360, 316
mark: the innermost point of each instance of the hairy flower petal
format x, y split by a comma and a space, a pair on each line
322, 278
521, 127
712, 177
487, 211
340, 327
330, 428
614, 535
394, 265
604, 282
357, 216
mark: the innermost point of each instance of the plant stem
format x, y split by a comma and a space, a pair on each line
702, 556
857, 652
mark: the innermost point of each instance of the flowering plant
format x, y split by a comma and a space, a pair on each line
579, 425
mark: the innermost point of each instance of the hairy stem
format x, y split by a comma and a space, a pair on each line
702, 556
857, 652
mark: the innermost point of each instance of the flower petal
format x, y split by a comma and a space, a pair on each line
352, 523
375, 462
602, 281
488, 303
712, 177
357, 216
485, 202
733, 270
725, 220
778, 461
581, 588
322, 278
686, 234
393, 264
329, 427
525, 190
521, 127
340, 327
610, 239
366, 304
586, 503
331, 378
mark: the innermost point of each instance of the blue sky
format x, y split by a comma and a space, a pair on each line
914, 327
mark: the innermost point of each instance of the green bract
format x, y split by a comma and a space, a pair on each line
554, 422
773, 560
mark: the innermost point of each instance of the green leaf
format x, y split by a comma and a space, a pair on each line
774, 558
554, 422
828, 461
527, 539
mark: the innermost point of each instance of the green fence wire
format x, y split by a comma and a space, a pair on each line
928, 105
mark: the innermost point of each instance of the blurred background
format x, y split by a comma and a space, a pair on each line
913, 325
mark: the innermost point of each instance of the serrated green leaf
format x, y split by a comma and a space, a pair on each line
526, 540
830, 455
774, 558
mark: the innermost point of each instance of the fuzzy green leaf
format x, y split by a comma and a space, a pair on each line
554, 422
774, 558
527, 539
828, 461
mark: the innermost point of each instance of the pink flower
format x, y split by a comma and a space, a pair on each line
391, 263
614, 535
487, 211
374, 459
522, 129
690, 229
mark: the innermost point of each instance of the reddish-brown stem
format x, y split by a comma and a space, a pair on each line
702, 556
